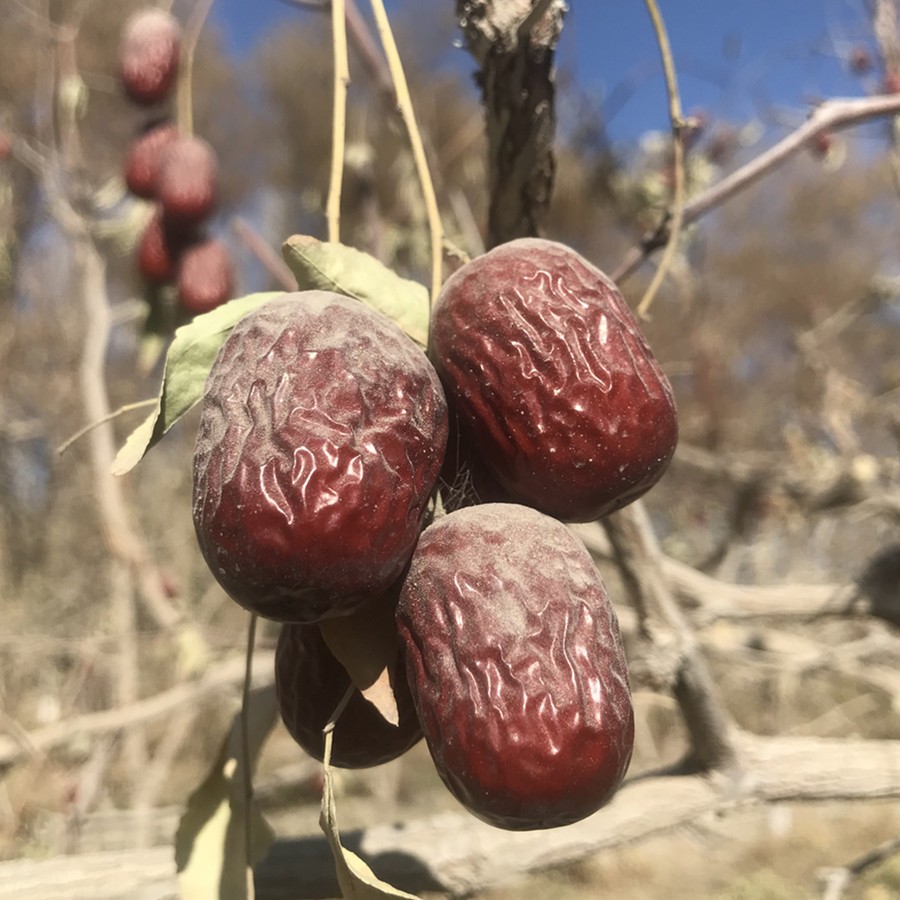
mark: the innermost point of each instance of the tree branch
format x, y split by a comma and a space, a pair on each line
456, 854
670, 645
225, 675
517, 82
828, 116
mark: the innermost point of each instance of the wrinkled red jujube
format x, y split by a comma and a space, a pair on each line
322, 432
516, 666
310, 683
551, 382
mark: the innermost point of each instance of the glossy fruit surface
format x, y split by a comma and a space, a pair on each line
142, 162
310, 683
149, 56
187, 186
551, 380
205, 276
322, 432
515, 661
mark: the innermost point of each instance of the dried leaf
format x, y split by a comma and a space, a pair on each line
356, 879
187, 364
335, 267
210, 843
366, 644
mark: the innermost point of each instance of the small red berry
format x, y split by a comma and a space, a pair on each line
149, 56
205, 277
187, 186
142, 162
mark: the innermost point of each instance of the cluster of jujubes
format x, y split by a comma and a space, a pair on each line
322, 447
177, 172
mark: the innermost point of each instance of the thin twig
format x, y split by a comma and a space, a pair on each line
829, 116
188, 49
220, 677
245, 752
121, 411
339, 118
404, 101
265, 255
675, 117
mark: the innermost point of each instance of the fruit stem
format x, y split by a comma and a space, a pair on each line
404, 102
245, 752
185, 82
339, 118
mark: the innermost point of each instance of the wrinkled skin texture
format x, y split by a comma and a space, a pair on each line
142, 162
550, 381
515, 661
149, 56
322, 432
187, 185
310, 683
205, 277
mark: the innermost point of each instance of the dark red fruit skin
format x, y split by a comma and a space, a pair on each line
142, 162
187, 186
465, 480
160, 250
321, 436
149, 56
552, 382
205, 277
515, 661
310, 683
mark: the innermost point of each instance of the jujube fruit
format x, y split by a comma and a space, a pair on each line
310, 683
322, 432
516, 666
159, 250
187, 185
149, 56
205, 276
142, 161
551, 380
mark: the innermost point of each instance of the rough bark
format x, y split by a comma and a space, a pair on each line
514, 42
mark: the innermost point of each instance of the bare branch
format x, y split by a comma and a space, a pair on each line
225, 675
517, 81
669, 638
456, 854
829, 116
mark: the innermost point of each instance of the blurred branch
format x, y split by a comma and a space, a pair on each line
267, 257
711, 598
671, 651
828, 116
189, 43
457, 855
677, 125
225, 675
836, 881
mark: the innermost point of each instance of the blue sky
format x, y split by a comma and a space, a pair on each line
737, 60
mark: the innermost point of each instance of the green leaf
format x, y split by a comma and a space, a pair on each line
319, 265
356, 879
187, 364
210, 843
